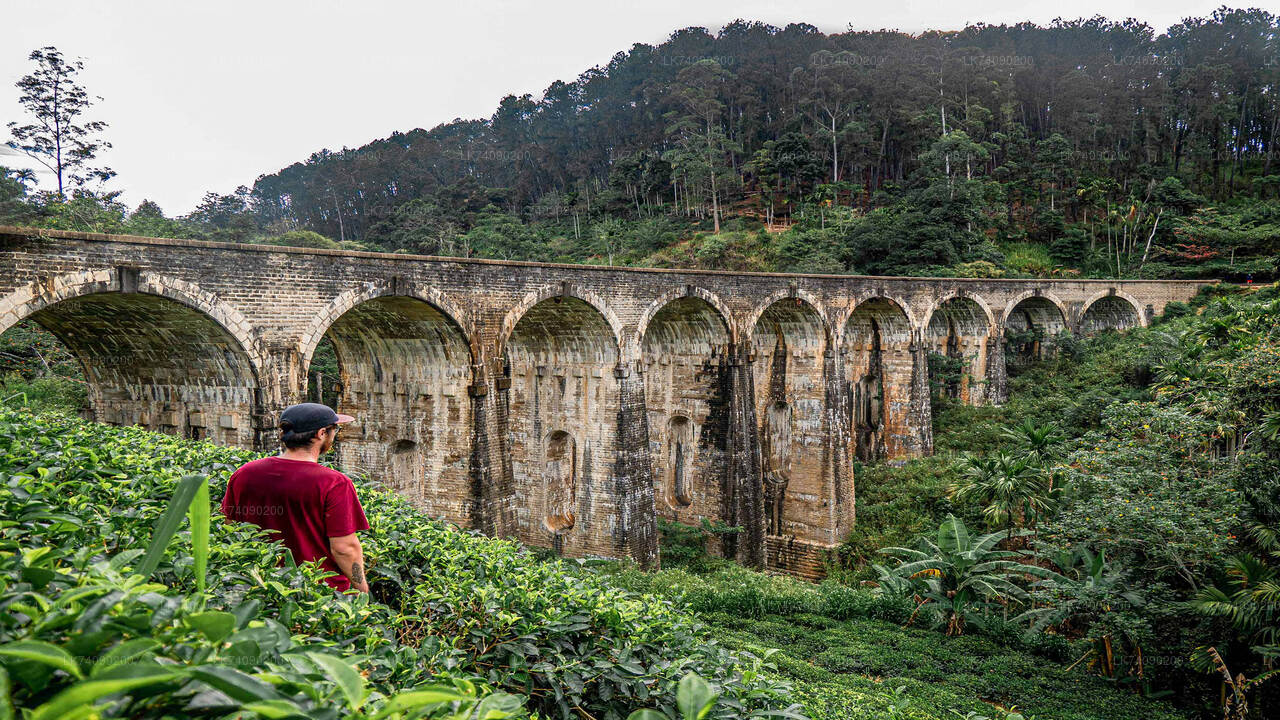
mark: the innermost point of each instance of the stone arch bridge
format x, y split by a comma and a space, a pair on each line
567, 406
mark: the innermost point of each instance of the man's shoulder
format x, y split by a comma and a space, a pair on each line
256, 465
335, 477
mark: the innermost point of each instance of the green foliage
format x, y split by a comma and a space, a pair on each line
1249, 597
1012, 490
1029, 259
1091, 596
304, 239
60, 139
876, 669
474, 616
955, 577
1147, 490
686, 545
36, 368
30, 352
945, 375
896, 505
848, 655
49, 394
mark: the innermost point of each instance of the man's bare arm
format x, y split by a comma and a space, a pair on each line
349, 555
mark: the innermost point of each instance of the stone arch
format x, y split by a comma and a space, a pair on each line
1111, 310
565, 290
814, 303
157, 351
560, 361
1040, 316
690, 291
790, 340
978, 308
685, 350
1039, 299
345, 301
898, 303
404, 374
878, 365
960, 327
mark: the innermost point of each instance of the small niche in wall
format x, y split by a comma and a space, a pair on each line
680, 461
561, 482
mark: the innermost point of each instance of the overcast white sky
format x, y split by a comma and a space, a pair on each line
208, 97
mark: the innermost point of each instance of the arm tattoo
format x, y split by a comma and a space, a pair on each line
357, 574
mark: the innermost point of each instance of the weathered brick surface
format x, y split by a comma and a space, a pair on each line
568, 406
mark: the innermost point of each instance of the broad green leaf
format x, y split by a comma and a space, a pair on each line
275, 709
167, 526
411, 699
42, 652
213, 624
344, 676
198, 512
119, 679
498, 706
123, 653
647, 715
694, 697
6, 696
38, 577
237, 685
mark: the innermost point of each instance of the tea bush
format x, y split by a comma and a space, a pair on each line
476, 618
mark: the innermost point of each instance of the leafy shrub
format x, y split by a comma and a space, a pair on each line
476, 613
1175, 310
686, 545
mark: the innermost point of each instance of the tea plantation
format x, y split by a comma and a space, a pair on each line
221, 626
470, 627
849, 655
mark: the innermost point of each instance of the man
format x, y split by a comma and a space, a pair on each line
311, 508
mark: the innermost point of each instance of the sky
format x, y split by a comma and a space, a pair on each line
208, 96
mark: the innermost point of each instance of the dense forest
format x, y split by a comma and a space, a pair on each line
1087, 146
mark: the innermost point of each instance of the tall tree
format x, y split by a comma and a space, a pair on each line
59, 139
704, 145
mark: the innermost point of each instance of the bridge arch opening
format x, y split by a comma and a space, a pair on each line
878, 364
403, 373
685, 359
1031, 327
561, 406
1109, 312
158, 363
789, 343
959, 330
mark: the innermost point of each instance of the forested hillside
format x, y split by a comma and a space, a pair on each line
1085, 146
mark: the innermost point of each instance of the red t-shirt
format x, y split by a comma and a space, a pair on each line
301, 502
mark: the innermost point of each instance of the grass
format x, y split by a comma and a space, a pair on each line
1028, 258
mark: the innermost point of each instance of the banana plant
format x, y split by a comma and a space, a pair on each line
957, 577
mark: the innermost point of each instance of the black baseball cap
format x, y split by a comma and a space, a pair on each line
307, 417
